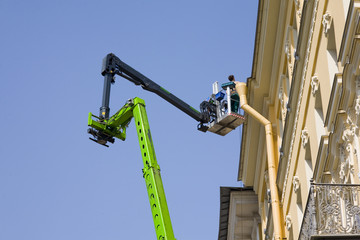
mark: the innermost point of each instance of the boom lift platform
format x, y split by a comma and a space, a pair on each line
226, 120
215, 115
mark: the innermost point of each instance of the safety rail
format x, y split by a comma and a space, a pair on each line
227, 117
331, 210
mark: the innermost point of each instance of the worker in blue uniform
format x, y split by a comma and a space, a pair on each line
235, 100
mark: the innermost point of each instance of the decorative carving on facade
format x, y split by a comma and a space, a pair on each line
304, 137
291, 69
348, 134
357, 105
297, 7
346, 168
342, 166
296, 183
357, 99
350, 127
351, 119
266, 178
350, 164
326, 22
284, 111
301, 91
314, 84
282, 103
287, 51
299, 13
347, 155
288, 222
281, 96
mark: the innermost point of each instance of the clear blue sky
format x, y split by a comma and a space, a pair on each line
55, 184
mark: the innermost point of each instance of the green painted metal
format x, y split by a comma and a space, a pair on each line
151, 173
116, 127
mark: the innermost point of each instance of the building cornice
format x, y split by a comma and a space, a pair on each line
265, 40
249, 81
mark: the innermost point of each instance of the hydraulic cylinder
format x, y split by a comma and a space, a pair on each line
104, 109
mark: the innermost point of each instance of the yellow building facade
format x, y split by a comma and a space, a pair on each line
306, 81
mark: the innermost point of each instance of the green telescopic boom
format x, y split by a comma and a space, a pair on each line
115, 126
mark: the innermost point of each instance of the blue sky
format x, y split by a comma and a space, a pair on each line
54, 182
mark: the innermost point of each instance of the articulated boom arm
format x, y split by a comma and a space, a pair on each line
112, 66
215, 114
104, 130
116, 126
218, 115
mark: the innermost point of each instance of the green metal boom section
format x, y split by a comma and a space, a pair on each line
116, 126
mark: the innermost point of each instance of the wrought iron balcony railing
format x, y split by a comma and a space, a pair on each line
332, 210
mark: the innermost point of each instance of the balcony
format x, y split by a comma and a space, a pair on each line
332, 212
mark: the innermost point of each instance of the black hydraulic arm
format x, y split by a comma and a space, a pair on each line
112, 66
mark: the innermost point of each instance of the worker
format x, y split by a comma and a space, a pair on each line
235, 100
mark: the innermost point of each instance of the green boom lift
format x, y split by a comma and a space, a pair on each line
116, 126
214, 115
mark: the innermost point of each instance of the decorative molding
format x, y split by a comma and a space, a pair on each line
342, 166
306, 61
351, 119
326, 22
347, 156
299, 13
296, 183
350, 127
266, 178
287, 50
348, 135
281, 96
357, 82
283, 111
357, 100
288, 222
297, 7
291, 69
357, 105
282, 103
304, 137
314, 84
